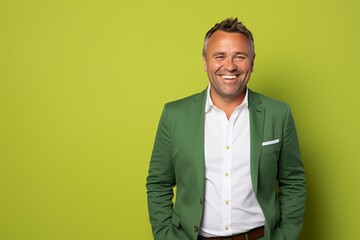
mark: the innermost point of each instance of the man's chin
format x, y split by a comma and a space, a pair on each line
232, 96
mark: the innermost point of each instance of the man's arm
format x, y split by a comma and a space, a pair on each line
292, 184
161, 180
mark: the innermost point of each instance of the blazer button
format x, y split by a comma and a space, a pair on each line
196, 228
200, 201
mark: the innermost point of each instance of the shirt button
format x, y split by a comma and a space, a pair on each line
227, 147
226, 228
227, 202
196, 228
226, 174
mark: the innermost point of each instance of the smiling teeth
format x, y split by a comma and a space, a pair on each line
229, 77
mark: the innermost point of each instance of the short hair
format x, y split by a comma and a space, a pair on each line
230, 25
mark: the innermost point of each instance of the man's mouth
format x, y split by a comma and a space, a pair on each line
229, 77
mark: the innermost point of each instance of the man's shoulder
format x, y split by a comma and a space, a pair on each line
266, 100
188, 101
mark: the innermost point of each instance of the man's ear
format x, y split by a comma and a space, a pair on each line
205, 65
252, 63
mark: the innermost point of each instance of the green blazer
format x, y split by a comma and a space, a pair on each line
277, 173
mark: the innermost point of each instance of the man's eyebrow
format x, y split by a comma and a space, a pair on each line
236, 53
218, 53
242, 53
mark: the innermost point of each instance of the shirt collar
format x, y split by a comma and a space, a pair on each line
209, 103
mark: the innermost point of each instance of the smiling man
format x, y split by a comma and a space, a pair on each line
232, 154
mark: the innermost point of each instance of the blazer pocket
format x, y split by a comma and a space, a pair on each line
272, 145
175, 220
271, 142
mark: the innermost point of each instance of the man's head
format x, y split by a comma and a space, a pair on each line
228, 57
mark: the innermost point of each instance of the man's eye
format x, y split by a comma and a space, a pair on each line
219, 57
239, 57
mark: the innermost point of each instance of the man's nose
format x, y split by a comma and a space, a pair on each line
230, 65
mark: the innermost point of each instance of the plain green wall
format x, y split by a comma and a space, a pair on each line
82, 85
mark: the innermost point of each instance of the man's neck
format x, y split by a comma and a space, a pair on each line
227, 105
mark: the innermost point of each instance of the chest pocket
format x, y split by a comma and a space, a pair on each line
270, 146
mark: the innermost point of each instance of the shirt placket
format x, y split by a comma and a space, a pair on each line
226, 197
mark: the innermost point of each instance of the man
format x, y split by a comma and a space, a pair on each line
232, 154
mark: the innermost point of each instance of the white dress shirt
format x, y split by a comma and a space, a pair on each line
230, 206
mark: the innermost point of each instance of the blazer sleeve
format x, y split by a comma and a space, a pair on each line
291, 180
161, 180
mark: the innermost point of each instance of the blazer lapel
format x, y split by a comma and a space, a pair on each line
198, 124
257, 115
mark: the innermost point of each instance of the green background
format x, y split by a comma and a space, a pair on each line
83, 83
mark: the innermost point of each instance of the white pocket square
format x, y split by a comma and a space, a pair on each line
270, 142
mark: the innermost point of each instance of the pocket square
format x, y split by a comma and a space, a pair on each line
270, 142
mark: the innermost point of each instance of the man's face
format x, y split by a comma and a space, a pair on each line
228, 61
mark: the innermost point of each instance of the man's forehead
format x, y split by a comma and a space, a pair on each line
225, 39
